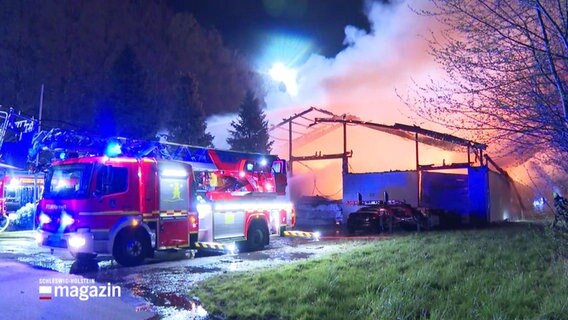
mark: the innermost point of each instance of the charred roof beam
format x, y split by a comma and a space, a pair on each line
404, 128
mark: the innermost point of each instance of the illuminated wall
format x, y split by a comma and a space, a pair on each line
480, 195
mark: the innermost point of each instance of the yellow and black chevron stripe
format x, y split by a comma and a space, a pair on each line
210, 245
302, 234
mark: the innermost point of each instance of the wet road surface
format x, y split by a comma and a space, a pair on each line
164, 282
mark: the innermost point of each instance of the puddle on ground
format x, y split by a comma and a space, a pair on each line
187, 270
256, 256
284, 256
293, 256
46, 262
171, 305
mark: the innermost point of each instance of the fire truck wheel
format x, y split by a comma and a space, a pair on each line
130, 247
257, 236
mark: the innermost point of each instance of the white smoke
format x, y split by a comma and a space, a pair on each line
361, 80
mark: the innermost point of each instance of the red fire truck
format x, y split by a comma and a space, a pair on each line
130, 207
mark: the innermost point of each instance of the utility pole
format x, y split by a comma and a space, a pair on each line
290, 156
36, 185
345, 163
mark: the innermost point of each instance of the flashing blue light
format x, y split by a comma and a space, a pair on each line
113, 149
62, 156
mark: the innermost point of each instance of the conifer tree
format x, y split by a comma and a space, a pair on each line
131, 110
187, 123
250, 130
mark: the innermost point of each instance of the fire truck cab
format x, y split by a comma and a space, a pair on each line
126, 207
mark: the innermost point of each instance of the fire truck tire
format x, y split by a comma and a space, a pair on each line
257, 236
131, 247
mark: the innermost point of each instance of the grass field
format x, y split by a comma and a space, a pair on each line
510, 272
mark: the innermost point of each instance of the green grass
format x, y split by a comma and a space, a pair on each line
510, 272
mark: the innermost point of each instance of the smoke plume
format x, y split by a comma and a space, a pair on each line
361, 80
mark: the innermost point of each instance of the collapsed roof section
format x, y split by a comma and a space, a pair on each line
303, 133
308, 128
437, 139
313, 123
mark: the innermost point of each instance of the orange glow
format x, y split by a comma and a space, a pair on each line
362, 80
373, 151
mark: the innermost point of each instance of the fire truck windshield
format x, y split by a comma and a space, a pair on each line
68, 181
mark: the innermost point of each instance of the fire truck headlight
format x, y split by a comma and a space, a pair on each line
203, 209
44, 218
76, 241
231, 248
38, 238
317, 235
66, 220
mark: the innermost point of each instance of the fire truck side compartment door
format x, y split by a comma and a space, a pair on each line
228, 224
173, 232
174, 206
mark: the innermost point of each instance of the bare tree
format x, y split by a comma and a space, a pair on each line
507, 71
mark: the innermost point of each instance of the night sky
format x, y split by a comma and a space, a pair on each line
247, 25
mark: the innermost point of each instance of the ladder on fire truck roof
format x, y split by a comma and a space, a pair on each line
60, 142
9, 122
5, 116
13, 126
